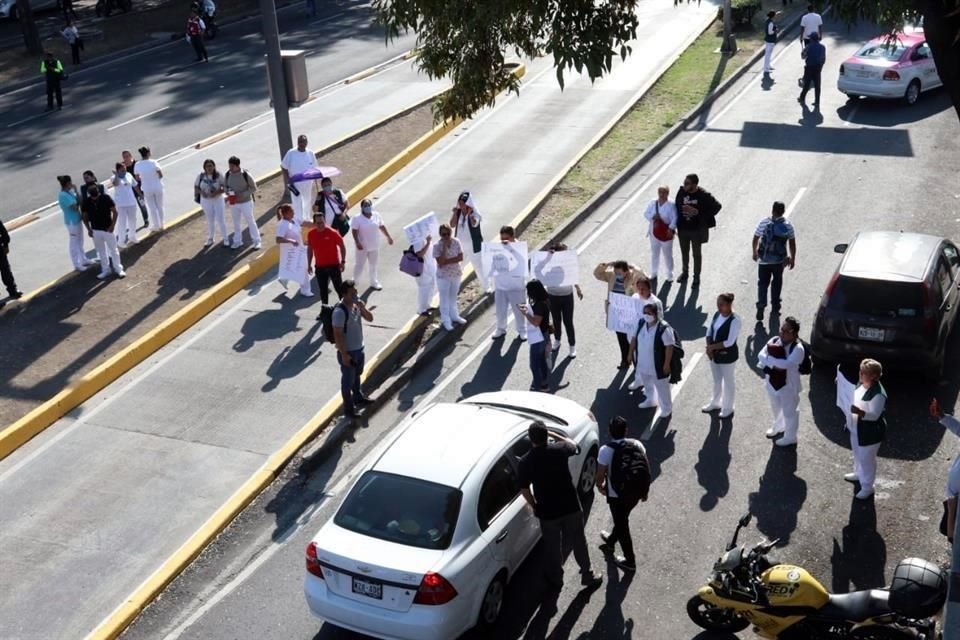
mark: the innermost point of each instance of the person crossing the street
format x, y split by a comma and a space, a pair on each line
774, 247
723, 353
781, 358
195, 30
770, 32
622, 493
814, 56
52, 70
868, 427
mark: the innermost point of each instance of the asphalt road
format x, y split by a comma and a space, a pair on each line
161, 99
850, 167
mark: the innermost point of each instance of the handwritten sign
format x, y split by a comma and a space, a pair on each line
505, 264
557, 269
418, 230
845, 391
293, 264
623, 313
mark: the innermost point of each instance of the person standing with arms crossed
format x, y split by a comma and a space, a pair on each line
722, 350
297, 161
869, 427
327, 257
6, 273
662, 215
781, 358
241, 190
465, 222
610, 468
208, 190
697, 210
771, 240
348, 317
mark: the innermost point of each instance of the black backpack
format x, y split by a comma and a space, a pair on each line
326, 321
676, 360
806, 365
630, 471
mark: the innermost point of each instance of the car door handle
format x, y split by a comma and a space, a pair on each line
501, 537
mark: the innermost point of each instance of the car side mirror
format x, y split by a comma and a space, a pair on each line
840, 248
745, 519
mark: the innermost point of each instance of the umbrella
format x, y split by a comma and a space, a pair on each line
314, 173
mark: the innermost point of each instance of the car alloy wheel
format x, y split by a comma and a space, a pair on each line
913, 92
492, 603
588, 473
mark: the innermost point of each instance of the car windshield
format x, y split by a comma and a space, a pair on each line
402, 510
877, 298
882, 51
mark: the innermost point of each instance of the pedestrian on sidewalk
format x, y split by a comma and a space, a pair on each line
427, 280
508, 294
555, 503
537, 313
770, 33
561, 306
653, 348
195, 30
333, 204
290, 239
449, 256
125, 197
297, 161
697, 210
241, 190
100, 219
723, 352
810, 24
208, 191
72, 36
815, 56
89, 180
366, 229
6, 273
868, 426
52, 71
70, 202
774, 247
781, 358
150, 176
620, 277
623, 476
465, 223
662, 215
127, 159
348, 317
327, 257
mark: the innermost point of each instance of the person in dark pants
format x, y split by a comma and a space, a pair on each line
195, 29
6, 273
815, 55
621, 277
326, 257
72, 36
697, 211
774, 247
555, 502
620, 507
348, 317
52, 70
561, 305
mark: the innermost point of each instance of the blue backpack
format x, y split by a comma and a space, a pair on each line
773, 242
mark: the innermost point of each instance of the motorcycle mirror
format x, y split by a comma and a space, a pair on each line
745, 519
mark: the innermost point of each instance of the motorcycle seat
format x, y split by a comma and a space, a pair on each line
857, 606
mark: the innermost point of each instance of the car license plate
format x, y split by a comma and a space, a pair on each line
864, 74
369, 588
870, 333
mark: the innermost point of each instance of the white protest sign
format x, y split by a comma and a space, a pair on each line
845, 391
556, 269
293, 264
506, 264
418, 230
623, 313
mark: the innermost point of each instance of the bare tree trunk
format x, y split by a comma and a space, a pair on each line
941, 26
31, 37
729, 44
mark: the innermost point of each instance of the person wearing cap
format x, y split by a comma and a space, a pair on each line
465, 223
770, 32
366, 229
100, 219
297, 161
6, 273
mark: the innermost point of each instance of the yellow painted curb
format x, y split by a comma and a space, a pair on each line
22, 221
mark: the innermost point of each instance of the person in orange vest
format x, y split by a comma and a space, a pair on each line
52, 70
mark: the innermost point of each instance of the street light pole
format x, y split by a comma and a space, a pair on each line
278, 89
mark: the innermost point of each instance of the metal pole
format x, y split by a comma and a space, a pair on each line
951, 625
278, 89
728, 45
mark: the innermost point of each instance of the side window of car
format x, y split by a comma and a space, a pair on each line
952, 257
499, 489
520, 447
944, 279
922, 52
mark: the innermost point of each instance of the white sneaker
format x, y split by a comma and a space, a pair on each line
555, 344
724, 415
851, 477
226, 243
459, 320
121, 274
646, 404
784, 442
499, 333
376, 286
772, 433
521, 337
636, 384
863, 494
257, 247
208, 242
306, 295
103, 275
236, 245
448, 326
709, 408
573, 351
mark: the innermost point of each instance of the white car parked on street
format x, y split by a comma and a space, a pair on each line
894, 66
434, 526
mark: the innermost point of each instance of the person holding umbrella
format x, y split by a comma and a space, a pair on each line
295, 162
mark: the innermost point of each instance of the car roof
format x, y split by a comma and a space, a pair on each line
444, 442
906, 39
890, 255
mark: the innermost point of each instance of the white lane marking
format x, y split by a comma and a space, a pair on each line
674, 392
132, 120
35, 116
793, 203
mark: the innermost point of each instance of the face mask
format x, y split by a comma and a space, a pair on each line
327, 188
649, 318
366, 210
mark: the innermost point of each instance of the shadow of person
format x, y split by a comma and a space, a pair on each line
269, 324
614, 400
767, 81
810, 118
494, 368
556, 376
780, 495
686, 316
713, 462
859, 558
660, 447
291, 361
611, 622
752, 347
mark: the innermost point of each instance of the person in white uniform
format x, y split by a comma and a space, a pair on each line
290, 239
427, 280
951, 424
770, 31
150, 176
781, 358
297, 161
241, 190
333, 204
125, 197
465, 223
662, 214
867, 426
722, 350
652, 346
508, 294
69, 201
366, 229
449, 256
208, 190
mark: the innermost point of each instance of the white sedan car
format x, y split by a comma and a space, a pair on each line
894, 66
425, 541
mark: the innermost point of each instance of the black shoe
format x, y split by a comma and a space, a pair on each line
607, 547
622, 563
591, 580
16, 294
682, 277
775, 310
623, 365
695, 283
759, 314
363, 400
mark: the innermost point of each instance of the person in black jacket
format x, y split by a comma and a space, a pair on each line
696, 215
6, 274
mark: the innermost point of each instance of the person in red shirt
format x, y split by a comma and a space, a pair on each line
327, 255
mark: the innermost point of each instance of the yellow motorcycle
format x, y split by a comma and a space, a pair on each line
785, 602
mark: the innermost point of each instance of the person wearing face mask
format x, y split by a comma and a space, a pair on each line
70, 204
868, 427
366, 229
333, 204
100, 219
507, 295
290, 239
89, 179
128, 161
620, 277
645, 294
241, 190
124, 195
662, 215
465, 222
722, 350
327, 257
781, 358
653, 348
208, 190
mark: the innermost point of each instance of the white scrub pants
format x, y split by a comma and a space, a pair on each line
106, 244
509, 299
785, 407
371, 256
78, 255
864, 462
213, 209
426, 287
768, 56
449, 311
658, 249
476, 260
154, 200
723, 386
657, 391
127, 224
303, 203
243, 212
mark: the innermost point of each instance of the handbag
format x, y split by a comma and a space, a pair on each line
410, 263
661, 230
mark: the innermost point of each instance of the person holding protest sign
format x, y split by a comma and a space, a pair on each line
290, 240
561, 297
509, 292
427, 280
465, 223
621, 278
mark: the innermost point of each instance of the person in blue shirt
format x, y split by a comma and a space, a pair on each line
69, 201
815, 56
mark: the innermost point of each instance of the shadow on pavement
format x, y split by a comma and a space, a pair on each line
713, 461
840, 140
780, 496
494, 368
686, 315
891, 113
859, 558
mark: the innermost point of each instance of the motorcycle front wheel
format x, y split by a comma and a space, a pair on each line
714, 618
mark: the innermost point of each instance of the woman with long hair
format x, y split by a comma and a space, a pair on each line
208, 190
290, 239
537, 313
69, 201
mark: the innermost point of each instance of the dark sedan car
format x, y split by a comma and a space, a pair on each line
893, 298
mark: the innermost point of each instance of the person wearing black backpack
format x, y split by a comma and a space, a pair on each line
347, 321
782, 359
774, 247
623, 476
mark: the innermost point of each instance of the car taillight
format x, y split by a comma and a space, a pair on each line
929, 310
313, 564
841, 70
434, 589
890, 74
825, 298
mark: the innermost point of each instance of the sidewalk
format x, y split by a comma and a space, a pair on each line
117, 487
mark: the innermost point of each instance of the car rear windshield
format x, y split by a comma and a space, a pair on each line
877, 298
882, 51
402, 510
